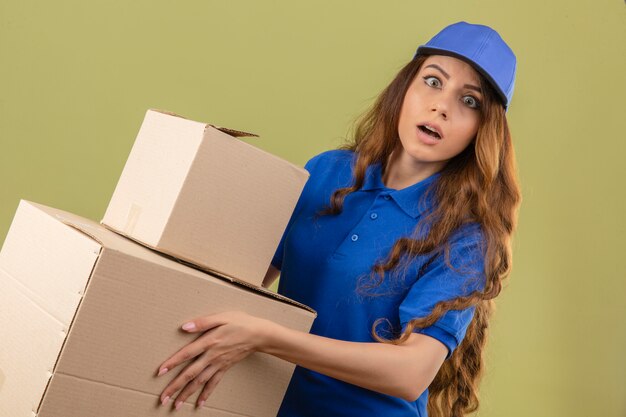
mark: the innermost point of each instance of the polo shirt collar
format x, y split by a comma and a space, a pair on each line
409, 199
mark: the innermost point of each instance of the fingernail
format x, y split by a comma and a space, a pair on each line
201, 404
162, 371
178, 404
189, 326
165, 400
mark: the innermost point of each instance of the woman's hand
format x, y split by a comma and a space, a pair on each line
227, 338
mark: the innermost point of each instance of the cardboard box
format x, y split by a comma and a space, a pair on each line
88, 316
196, 192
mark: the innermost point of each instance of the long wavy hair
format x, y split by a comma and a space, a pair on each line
478, 185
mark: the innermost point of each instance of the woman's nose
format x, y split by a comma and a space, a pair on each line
441, 103
440, 106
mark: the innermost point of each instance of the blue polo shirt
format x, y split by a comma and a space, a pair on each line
325, 263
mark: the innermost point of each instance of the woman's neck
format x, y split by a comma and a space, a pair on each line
403, 171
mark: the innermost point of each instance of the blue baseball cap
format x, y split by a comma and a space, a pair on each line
483, 48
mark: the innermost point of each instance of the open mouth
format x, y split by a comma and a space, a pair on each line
429, 131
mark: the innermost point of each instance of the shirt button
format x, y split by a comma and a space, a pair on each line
387, 197
373, 216
355, 238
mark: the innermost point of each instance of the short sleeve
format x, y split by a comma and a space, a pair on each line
277, 260
442, 282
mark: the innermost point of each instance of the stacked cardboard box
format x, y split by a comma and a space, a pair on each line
196, 192
88, 315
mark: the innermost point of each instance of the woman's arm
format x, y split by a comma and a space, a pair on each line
403, 370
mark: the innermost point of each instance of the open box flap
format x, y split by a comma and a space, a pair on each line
231, 132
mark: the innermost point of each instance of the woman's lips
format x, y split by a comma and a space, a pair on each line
427, 138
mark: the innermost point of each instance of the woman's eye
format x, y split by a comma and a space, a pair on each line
432, 81
471, 102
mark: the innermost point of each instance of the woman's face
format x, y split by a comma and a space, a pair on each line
440, 113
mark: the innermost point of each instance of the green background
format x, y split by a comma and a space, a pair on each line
77, 76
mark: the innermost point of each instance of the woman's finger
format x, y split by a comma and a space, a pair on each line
186, 376
188, 352
204, 323
198, 383
210, 386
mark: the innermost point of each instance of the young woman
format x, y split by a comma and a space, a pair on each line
400, 241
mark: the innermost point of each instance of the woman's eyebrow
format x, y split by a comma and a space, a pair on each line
473, 87
445, 74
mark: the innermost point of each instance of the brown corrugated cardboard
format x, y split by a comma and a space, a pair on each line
128, 303
196, 192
